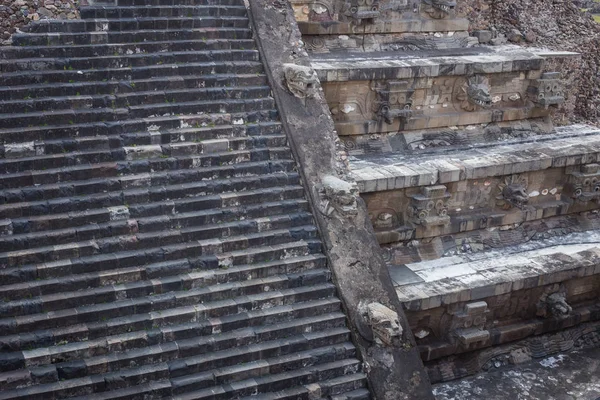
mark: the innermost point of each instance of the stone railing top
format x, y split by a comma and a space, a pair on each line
572, 145
455, 279
335, 67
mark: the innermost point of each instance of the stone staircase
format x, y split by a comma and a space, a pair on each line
155, 241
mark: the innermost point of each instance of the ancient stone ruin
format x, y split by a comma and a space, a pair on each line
286, 199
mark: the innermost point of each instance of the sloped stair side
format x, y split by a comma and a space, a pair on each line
155, 240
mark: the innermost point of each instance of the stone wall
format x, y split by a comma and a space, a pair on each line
14, 14
552, 24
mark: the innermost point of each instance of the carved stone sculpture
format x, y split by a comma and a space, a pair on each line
584, 185
553, 305
430, 208
512, 193
383, 325
361, 10
546, 91
300, 80
337, 195
438, 9
475, 93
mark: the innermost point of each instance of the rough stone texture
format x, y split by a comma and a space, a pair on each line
562, 376
557, 25
15, 14
395, 372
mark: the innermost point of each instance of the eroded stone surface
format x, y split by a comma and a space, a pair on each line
571, 376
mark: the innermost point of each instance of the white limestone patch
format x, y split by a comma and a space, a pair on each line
552, 362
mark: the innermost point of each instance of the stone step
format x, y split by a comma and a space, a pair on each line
285, 380
224, 375
333, 348
23, 203
178, 274
193, 338
144, 241
136, 294
124, 24
340, 388
87, 115
163, 310
303, 347
89, 339
358, 394
173, 259
134, 159
205, 140
154, 35
193, 128
213, 222
112, 49
124, 100
126, 60
104, 281
140, 176
279, 362
129, 74
145, 11
28, 92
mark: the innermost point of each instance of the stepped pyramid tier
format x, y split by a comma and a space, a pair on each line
155, 237
486, 213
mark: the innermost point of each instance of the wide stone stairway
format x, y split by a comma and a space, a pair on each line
155, 241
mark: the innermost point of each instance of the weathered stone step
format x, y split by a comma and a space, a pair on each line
261, 324
25, 92
162, 11
18, 141
23, 203
341, 388
124, 24
193, 338
163, 310
112, 49
227, 374
279, 361
154, 35
182, 223
118, 100
275, 382
126, 60
140, 177
358, 394
75, 166
239, 249
137, 294
225, 142
88, 115
143, 241
174, 354
97, 331
116, 280
129, 74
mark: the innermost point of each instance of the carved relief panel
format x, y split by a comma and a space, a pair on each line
471, 205
386, 106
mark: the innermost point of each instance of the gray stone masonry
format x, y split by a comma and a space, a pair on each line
155, 237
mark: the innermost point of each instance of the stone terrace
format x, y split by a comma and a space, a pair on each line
155, 240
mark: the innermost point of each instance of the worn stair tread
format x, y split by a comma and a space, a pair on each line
150, 126
91, 339
279, 381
